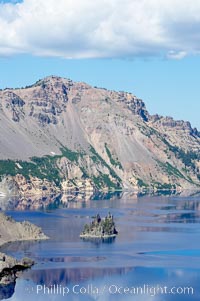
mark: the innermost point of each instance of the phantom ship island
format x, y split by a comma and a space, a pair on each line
100, 228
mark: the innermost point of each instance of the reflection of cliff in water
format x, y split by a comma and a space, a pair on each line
75, 200
167, 211
50, 202
70, 200
75, 275
18, 246
183, 211
79, 200
29, 203
6, 291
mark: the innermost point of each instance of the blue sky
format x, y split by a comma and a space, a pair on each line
159, 63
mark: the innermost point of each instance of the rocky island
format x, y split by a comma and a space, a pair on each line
100, 228
10, 230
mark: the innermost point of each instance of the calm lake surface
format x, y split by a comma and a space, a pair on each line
156, 255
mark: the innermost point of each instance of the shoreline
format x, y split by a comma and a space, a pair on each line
26, 231
125, 190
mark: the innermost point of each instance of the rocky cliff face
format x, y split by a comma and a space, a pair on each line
10, 230
15, 231
61, 135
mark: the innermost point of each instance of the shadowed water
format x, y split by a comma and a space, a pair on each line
157, 249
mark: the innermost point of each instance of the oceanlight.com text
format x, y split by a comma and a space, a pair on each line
113, 289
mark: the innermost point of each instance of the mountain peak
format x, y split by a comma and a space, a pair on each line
51, 80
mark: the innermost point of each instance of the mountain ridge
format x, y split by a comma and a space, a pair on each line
87, 133
153, 117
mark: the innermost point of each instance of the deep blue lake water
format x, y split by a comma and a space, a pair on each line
156, 255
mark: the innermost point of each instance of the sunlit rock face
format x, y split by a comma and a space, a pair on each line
65, 135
